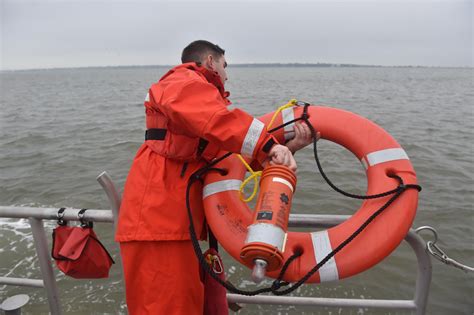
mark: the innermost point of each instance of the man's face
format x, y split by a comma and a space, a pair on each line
218, 65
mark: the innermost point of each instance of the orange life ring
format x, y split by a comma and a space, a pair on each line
381, 156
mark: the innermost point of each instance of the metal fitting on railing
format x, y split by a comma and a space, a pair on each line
438, 253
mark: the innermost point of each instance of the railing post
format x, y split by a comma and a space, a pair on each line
112, 193
115, 200
423, 278
42, 250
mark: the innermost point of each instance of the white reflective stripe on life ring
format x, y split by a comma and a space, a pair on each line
382, 156
322, 247
223, 185
251, 138
287, 115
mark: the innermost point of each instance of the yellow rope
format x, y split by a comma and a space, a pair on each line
254, 175
291, 103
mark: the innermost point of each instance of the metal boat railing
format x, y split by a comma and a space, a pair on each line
37, 215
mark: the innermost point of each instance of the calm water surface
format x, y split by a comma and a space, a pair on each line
60, 128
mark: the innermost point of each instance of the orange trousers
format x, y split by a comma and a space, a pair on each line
162, 277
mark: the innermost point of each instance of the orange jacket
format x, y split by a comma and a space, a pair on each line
190, 103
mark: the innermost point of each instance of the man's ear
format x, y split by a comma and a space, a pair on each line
209, 62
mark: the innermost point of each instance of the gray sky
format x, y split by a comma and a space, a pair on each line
49, 34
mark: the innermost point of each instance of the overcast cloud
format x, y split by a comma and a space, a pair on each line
48, 34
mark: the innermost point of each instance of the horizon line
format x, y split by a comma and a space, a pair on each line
255, 64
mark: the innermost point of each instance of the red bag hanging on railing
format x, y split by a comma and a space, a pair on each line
78, 252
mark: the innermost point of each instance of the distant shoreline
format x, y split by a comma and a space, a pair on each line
248, 65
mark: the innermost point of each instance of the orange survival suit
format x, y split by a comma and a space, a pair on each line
187, 124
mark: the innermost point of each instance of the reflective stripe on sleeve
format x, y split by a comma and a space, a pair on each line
288, 115
251, 138
147, 97
322, 247
223, 185
382, 156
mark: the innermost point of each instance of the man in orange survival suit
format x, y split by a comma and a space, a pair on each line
187, 124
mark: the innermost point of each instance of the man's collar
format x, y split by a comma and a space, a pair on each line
211, 76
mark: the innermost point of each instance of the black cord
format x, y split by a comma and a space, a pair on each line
305, 118
197, 248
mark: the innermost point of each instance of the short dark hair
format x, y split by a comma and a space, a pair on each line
198, 49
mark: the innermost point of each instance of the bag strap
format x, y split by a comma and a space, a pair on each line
84, 223
212, 240
60, 216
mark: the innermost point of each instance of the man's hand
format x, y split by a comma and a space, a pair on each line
281, 155
302, 137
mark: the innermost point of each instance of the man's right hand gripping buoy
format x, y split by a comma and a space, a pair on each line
281, 155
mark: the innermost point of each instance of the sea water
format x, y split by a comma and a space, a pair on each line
60, 128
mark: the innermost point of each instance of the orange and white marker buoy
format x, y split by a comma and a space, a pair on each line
266, 237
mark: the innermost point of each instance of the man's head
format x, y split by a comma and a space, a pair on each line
207, 55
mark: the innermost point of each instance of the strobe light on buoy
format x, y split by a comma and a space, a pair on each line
266, 236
